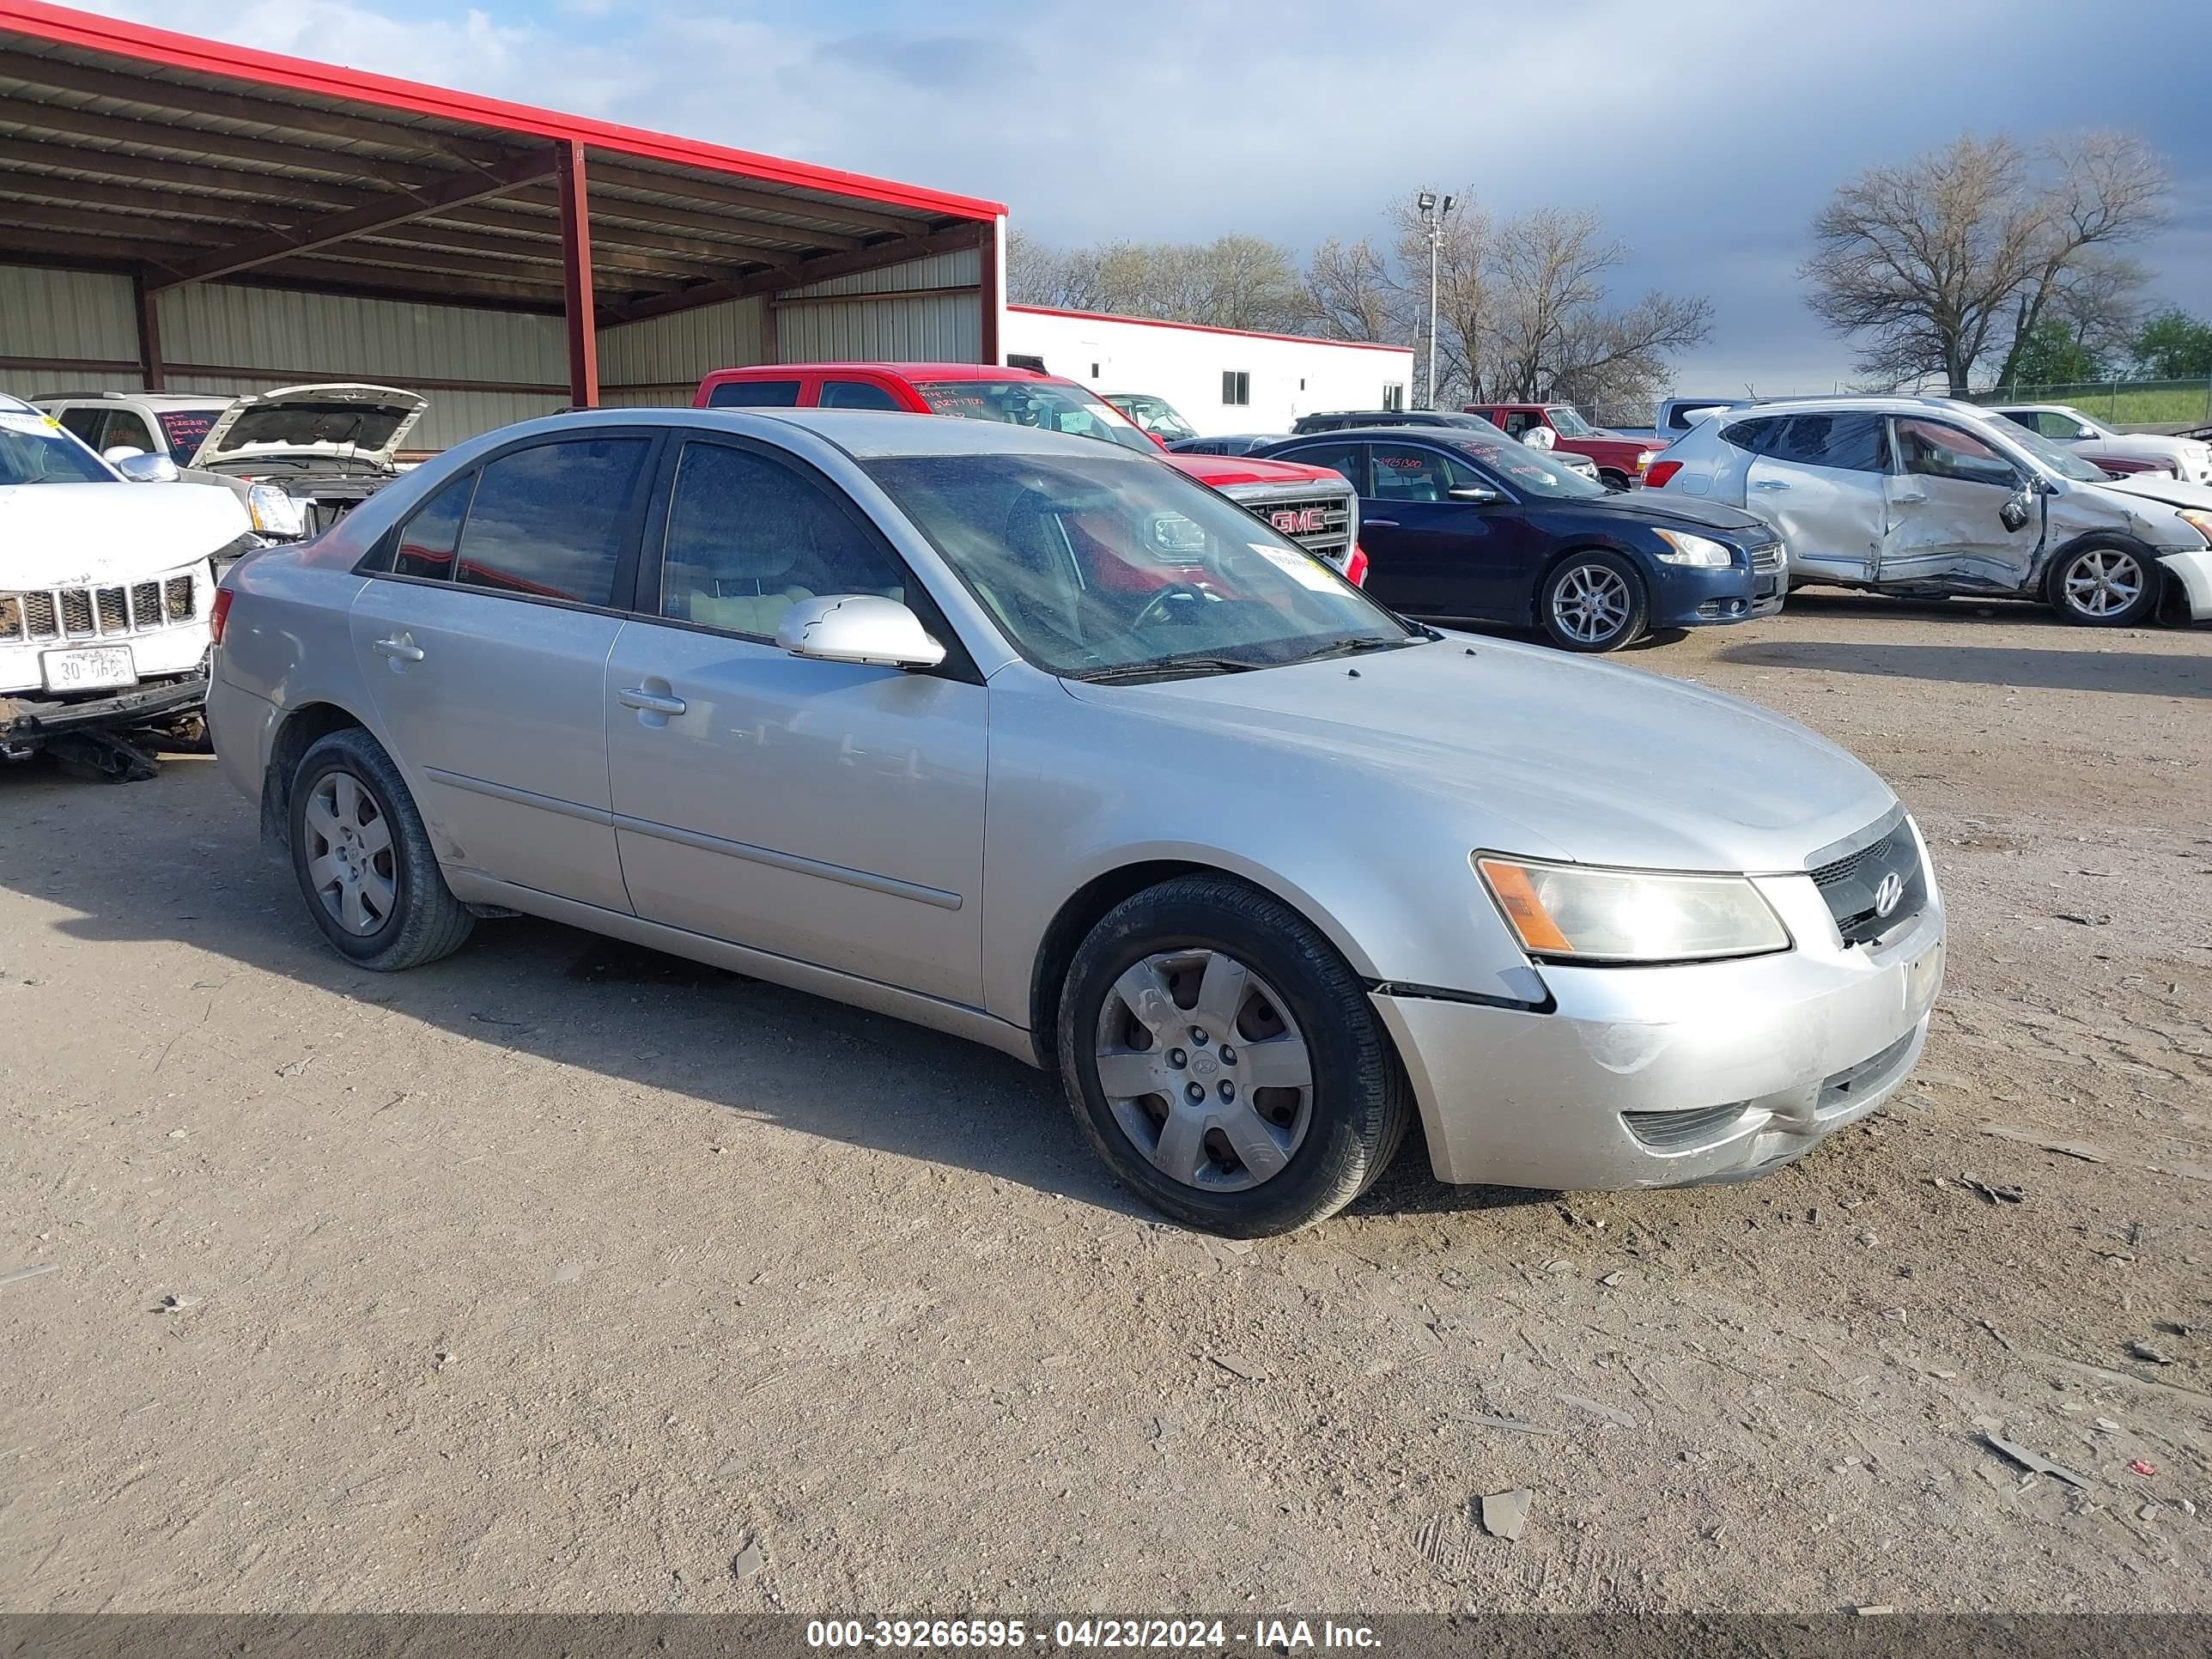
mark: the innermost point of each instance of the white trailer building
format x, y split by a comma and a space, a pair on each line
1221, 379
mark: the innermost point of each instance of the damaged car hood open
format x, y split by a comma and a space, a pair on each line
340, 421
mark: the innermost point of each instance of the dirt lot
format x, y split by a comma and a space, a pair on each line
557, 1275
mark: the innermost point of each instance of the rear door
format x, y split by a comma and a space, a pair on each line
1818, 478
1430, 555
1947, 503
484, 639
824, 811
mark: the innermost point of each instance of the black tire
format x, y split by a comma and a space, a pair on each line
1359, 1103
1556, 602
425, 921
1616, 482
2083, 577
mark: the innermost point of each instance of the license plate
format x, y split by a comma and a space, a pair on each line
90, 669
1923, 979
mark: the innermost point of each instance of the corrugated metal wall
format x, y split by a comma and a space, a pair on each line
877, 323
65, 313
660, 361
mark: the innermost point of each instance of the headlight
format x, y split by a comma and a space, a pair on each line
1572, 913
1702, 551
274, 513
2198, 520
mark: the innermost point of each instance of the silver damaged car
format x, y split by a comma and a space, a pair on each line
1028, 739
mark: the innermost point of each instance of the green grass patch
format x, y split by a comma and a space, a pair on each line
2130, 406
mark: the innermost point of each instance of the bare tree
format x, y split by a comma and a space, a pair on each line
1935, 262
1350, 292
2101, 300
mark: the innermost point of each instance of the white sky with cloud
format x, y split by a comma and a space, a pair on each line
1707, 132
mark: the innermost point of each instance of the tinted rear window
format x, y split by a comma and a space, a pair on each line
753, 394
425, 548
1850, 440
548, 522
185, 428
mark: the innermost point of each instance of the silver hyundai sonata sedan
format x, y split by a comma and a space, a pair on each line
1027, 739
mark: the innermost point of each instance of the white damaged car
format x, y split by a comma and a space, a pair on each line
106, 595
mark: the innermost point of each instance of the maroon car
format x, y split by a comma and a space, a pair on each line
1620, 462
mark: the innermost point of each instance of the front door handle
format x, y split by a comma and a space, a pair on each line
1904, 499
1378, 524
402, 649
1769, 483
648, 702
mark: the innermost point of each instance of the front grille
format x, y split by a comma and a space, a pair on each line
1321, 524
1853, 887
1680, 1131
1768, 558
84, 613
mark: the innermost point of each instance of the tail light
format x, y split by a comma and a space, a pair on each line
220, 614
1660, 473
1355, 568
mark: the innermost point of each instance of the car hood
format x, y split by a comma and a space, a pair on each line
1225, 472
2149, 445
1675, 511
2159, 487
1546, 756
340, 418
55, 535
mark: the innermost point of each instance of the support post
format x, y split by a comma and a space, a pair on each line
150, 330
576, 278
992, 298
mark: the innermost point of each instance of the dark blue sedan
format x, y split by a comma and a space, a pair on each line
1461, 527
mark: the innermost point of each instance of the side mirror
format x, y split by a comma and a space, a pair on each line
1539, 437
2018, 509
139, 467
2085, 432
858, 627
1474, 493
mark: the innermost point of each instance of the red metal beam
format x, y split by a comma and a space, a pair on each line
576, 277
374, 215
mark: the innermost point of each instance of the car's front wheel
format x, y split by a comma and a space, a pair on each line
1224, 1060
364, 861
1595, 601
2110, 587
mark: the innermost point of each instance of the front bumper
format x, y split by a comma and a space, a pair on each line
2192, 573
1660, 1077
1685, 596
25, 722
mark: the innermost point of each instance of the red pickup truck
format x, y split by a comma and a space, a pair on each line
1314, 506
1621, 462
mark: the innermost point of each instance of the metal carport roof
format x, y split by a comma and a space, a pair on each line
181, 160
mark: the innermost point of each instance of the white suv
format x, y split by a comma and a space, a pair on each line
1928, 495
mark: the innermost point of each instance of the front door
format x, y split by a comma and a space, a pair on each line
484, 643
822, 811
1431, 555
1947, 511
1818, 478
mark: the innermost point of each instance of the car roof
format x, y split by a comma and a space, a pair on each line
1439, 433
153, 399
903, 371
864, 434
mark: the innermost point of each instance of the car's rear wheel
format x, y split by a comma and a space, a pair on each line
1224, 1060
1616, 482
364, 860
2106, 587
1595, 601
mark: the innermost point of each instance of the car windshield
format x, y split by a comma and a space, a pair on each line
1045, 404
1527, 472
1156, 415
183, 429
1098, 567
35, 450
2056, 457
1568, 424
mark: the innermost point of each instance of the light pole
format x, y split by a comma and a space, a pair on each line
1432, 216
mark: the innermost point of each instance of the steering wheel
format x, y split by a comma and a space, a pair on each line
1188, 593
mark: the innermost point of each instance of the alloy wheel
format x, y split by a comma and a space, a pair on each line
1591, 604
2104, 582
1205, 1069
350, 862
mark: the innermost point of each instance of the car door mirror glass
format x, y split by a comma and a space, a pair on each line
139, 467
857, 628
2018, 509
1474, 493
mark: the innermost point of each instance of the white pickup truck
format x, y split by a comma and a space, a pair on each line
106, 596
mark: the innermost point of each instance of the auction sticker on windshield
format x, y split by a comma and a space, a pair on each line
90, 669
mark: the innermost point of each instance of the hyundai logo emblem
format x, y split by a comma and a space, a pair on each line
1889, 895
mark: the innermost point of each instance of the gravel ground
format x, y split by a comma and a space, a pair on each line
565, 1277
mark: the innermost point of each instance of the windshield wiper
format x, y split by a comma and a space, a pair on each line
1161, 667
1355, 648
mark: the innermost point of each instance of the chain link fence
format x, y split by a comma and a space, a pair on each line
2120, 403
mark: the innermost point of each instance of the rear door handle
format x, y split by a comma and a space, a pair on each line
1378, 524
649, 702
403, 649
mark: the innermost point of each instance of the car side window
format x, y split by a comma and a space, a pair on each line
2064, 427
126, 428
1404, 472
754, 394
551, 521
1931, 449
856, 394
1848, 441
748, 537
1346, 458
85, 423
1750, 435
425, 542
